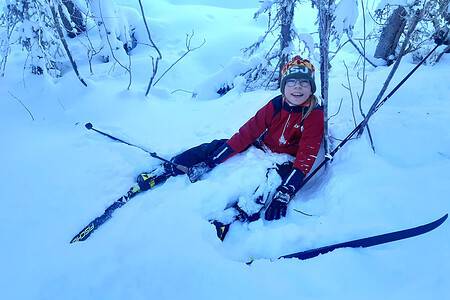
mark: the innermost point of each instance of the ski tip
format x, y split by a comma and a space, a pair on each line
88, 126
84, 234
75, 239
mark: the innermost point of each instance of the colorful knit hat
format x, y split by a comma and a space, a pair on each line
298, 68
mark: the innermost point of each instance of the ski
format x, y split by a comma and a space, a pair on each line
100, 220
152, 182
370, 241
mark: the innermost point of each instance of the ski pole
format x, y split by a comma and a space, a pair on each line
152, 154
330, 155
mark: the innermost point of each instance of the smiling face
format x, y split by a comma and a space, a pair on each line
297, 91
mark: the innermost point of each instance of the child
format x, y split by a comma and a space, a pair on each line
290, 123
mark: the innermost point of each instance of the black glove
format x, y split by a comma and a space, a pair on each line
197, 171
441, 36
280, 200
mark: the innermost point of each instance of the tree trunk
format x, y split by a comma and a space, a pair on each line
391, 35
76, 18
287, 17
63, 40
325, 19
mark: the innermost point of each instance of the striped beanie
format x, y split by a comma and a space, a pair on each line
298, 68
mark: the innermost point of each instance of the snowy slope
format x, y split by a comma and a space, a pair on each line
55, 176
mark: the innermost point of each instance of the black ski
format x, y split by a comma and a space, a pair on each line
370, 241
97, 222
134, 190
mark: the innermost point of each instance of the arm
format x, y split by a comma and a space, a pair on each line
240, 141
252, 129
310, 141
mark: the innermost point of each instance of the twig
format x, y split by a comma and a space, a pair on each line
303, 213
339, 109
252, 48
360, 52
364, 76
188, 49
338, 49
349, 88
29, 112
154, 64
112, 50
273, 72
181, 90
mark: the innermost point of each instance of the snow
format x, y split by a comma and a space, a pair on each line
346, 14
56, 176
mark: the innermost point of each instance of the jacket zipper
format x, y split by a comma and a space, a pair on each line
282, 139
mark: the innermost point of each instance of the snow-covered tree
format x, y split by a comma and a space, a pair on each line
274, 48
334, 19
114, 29
262, 61
41, 26
30, 23
395, 15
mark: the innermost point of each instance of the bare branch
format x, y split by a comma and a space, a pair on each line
128, 69
154, 64
188, 49
351, 93
339, 109
360, 52
184, 91
18, 100
338, 49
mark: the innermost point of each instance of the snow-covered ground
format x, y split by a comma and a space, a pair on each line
55, 176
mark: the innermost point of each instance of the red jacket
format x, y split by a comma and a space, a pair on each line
282, 131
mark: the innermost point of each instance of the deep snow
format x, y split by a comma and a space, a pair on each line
56, 176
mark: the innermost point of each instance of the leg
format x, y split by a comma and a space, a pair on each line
197, 154
188, 158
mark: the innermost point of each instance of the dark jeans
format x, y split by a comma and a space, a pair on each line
201, 152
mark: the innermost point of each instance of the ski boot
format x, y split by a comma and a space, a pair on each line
148, 180
221, 229
237, 215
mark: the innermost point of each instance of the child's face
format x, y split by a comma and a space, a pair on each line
297, 91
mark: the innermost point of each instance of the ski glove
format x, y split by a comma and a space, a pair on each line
218, 156
280, 200
197, 171
442, 36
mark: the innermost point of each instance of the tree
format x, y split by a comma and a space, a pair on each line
72, 18
40, 27
265, 71
394, 28
30, 23
390, 36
